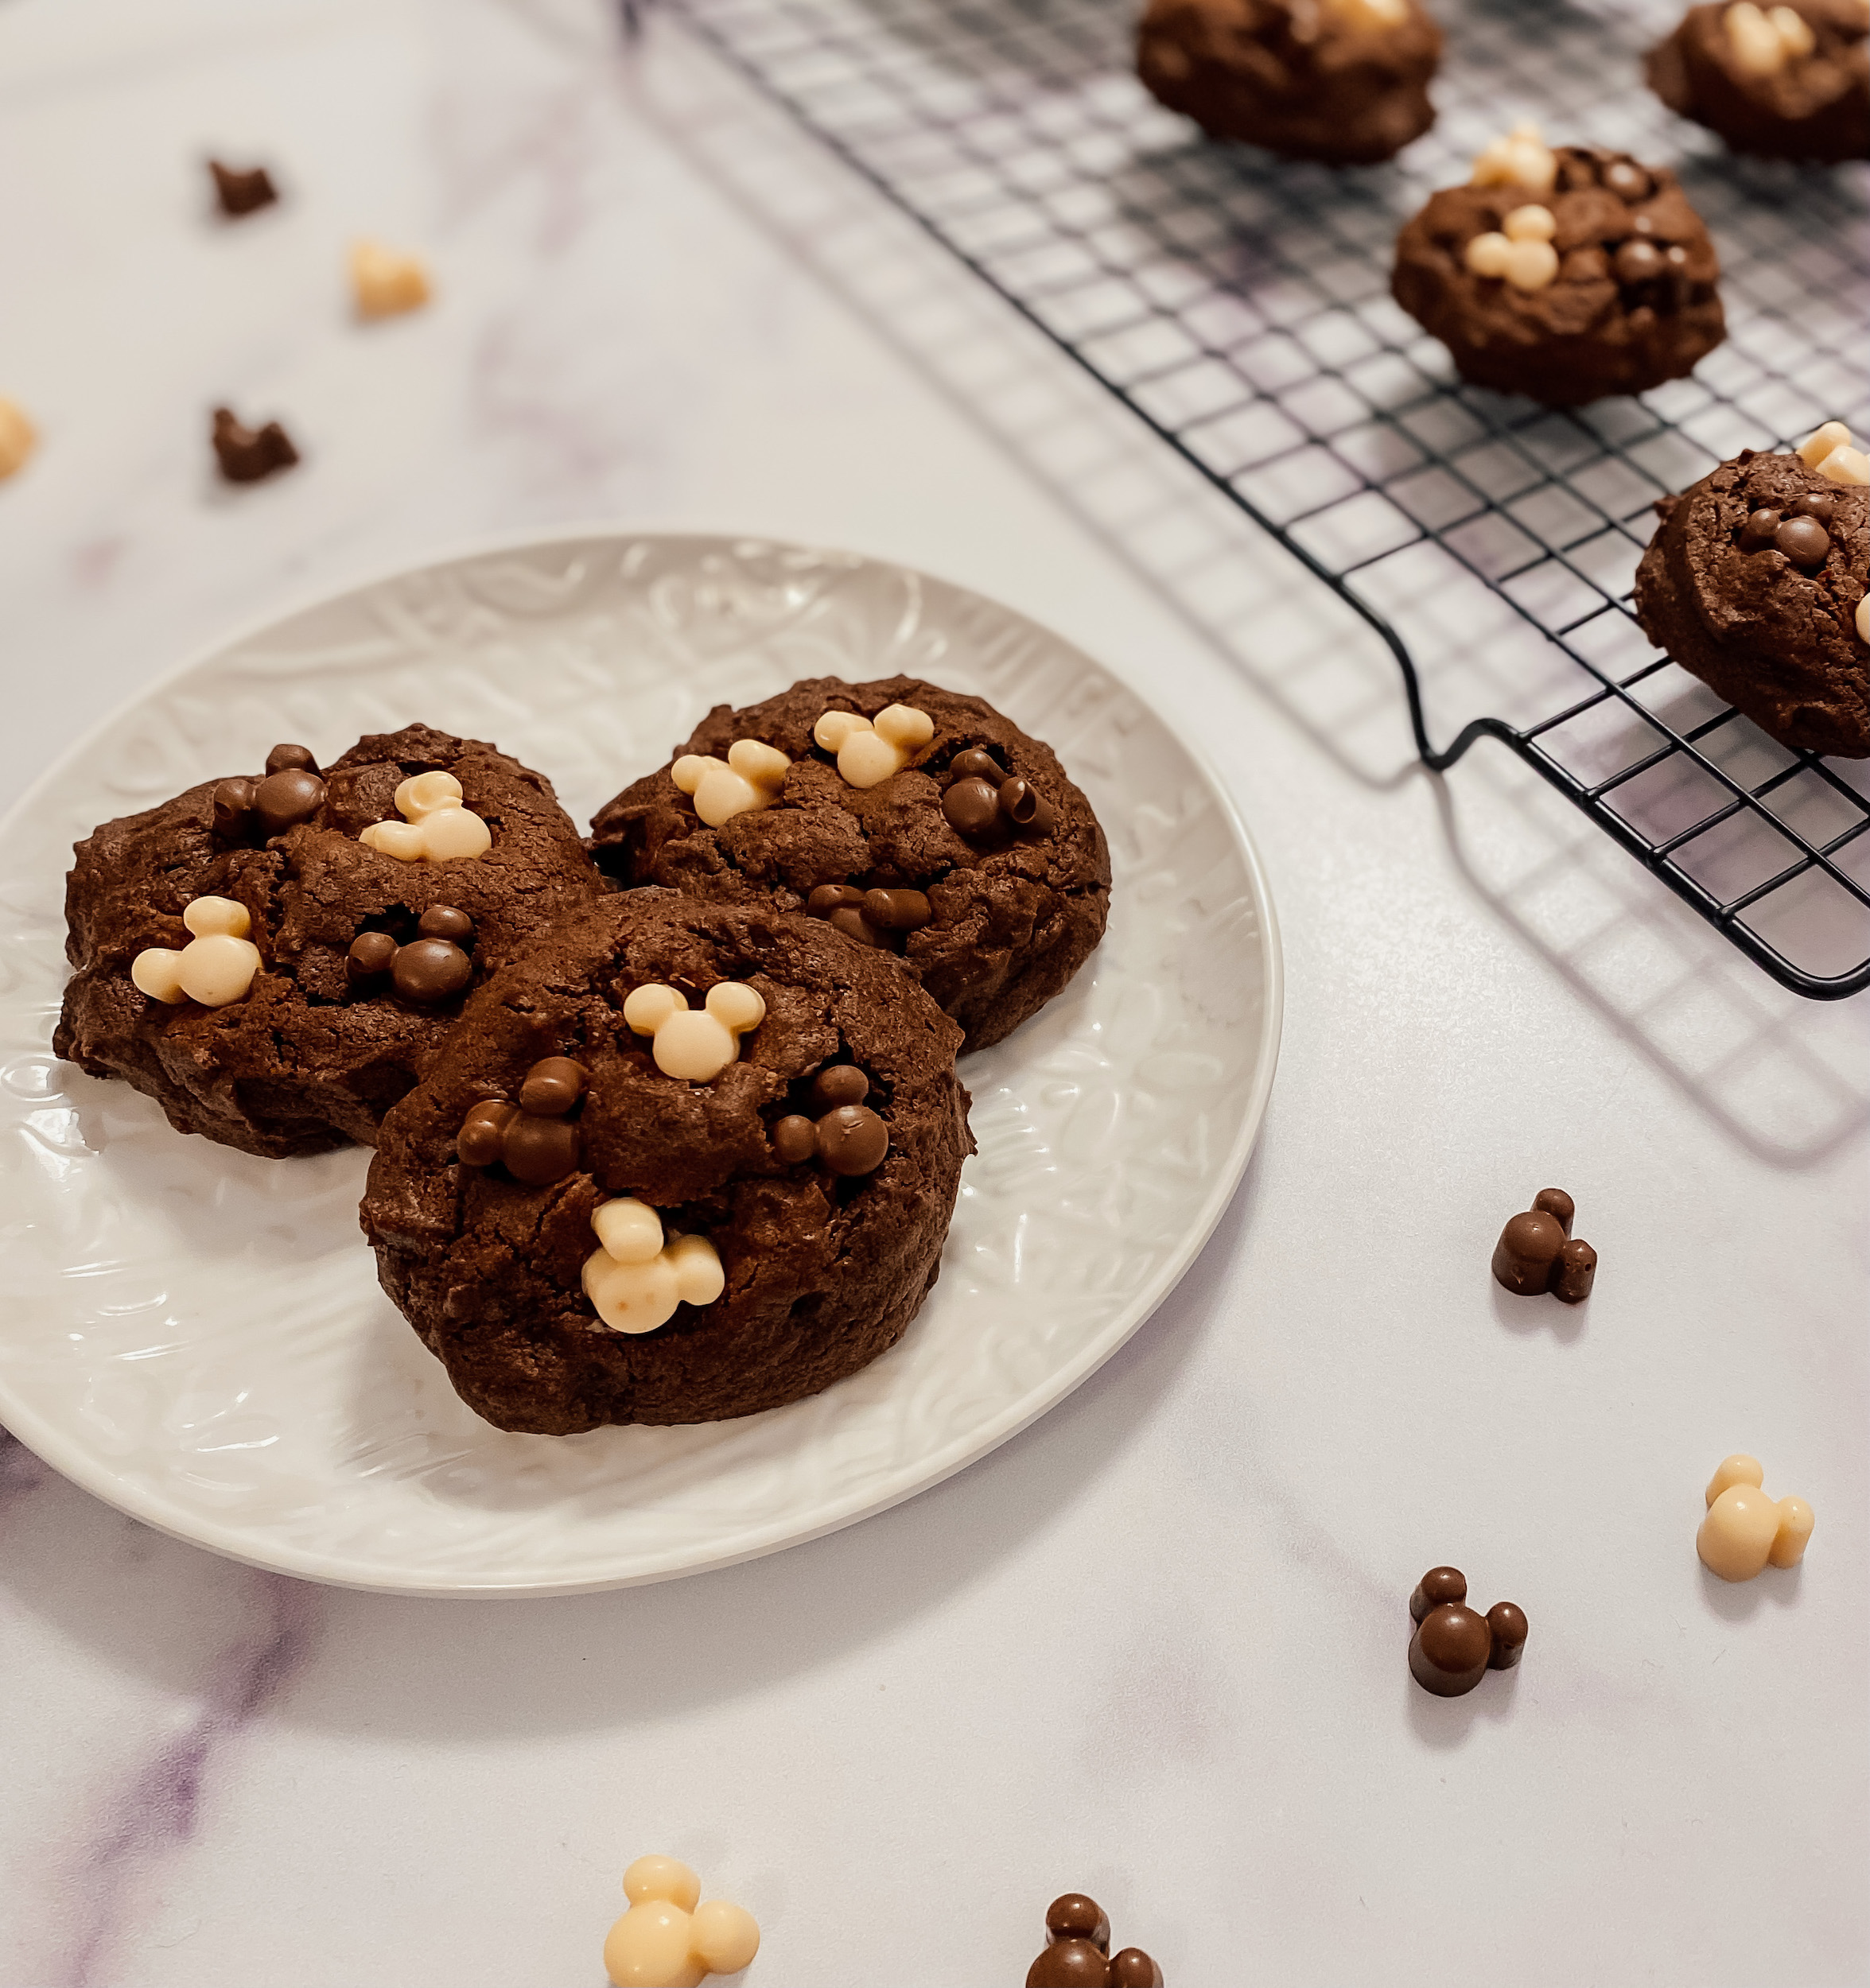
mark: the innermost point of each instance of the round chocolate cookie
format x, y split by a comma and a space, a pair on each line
243, 957
682, 1162
1344, 82
1755, 583
1778, 82
1590, 275
965, 848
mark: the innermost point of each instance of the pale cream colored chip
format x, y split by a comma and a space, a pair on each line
748, 779
1531, 265
1487, 253
697, 1043
1530, 223
1521, 158
1821, 441
1863, 618
665, 1940
1744, 1529
216, 967
18, 437
385, 281
868, 753
438, 829
1846, 465
218, 970
206, 916
157, 971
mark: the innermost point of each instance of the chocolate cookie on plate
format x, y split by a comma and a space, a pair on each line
680, 1162
1344, 82
1778, 82
913, 818
273, 957
1562, 273
1755, 583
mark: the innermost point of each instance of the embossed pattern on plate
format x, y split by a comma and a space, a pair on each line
197, 1337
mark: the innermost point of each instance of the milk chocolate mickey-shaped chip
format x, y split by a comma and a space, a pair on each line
536, 1140
1077, 1950
433, 967
848, 1136
288, 793
1536, 1253
246, 455
869, 917
1454, 1646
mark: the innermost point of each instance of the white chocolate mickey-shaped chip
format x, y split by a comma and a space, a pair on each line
695, 1043
436, 827
1744, 1529
1864, 619
1828, 450
748, 779
1522, 252
1761, 40
216, 967
666, 1940
636, 1280
18, 438
1521, 158
868, 753
385, 280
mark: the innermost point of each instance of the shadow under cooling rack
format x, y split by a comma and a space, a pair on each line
1241, 307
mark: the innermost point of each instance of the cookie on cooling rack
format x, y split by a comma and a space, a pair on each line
680, 1162
1562, 273
913, 819
1778, 82
1343, 82
273, 957
1755, 583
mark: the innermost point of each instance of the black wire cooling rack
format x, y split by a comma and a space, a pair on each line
1240, 306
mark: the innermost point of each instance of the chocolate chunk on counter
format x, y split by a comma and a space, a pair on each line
248, 455
1454, 1646
242, 191
1537, 1253
1077, 1951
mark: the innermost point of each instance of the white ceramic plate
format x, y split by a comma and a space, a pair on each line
197, 1337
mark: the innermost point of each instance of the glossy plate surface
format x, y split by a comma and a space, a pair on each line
197, 1337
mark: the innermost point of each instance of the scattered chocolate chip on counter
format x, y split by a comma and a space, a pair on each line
386, 281
1537, 1253
246, 455
1454, 1646
1077, 1950
18, 438
237, 192
1745, 1530
668, 1939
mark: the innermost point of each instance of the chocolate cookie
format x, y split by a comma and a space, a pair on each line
243, 957
1755, 583
1342, 81
682, 1162
1564, 274
1778, 82
965, 848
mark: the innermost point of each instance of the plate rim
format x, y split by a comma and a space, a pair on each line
84, 1469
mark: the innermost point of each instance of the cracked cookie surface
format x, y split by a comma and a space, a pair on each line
823, 1270
309, 1059
1013, 915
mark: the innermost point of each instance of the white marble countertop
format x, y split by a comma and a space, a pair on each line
1154, 1647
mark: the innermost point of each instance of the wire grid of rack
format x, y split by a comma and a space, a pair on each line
1240, 306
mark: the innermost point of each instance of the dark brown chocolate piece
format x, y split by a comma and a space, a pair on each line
371, 956
1026, 808
1760, 529
869, 916
1535, 1254
429, 970
233, 807
246, 455
1077, 1951
1454, 1646
1804, 541
299, 757
242, 193
444, 921
974, 764
536, 1139
286, 799
973, 808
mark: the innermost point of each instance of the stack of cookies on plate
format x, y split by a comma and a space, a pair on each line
667, 1121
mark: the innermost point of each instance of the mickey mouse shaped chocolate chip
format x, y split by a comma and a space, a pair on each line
536, 1139
433, 967
981, 803
848, 1136
1077, 1950
289, 793
435, 828
1535, 1253
869, 917
246, 455
216, 967
1454, 1646
697, 1043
